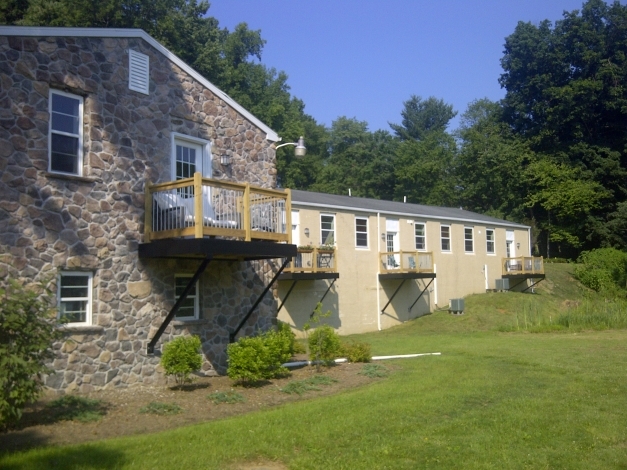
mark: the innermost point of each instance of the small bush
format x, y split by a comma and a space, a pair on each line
181, 357
27, 332
356, 351
259, 358
324, 344
308, 385
374, 371
603, 270
76, 408
161, 409
229, 397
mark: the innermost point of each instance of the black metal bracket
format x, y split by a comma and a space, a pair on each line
150, 349
258, 301
534, 283
286, 296
393, 295
322, 299
423, 291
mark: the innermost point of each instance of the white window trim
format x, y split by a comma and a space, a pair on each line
450, 242
472, 239
367, 246
80, 132
196, 298
89, 298
206, 157
424, 226
334, 228
493, 252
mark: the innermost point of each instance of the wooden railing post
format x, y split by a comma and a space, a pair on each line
198, 219
247, 221
148, 212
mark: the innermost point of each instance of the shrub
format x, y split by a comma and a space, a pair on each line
374, 371
27, 331
356, 351
259, 358
229, 397
603, 270
161, 409
311, 384
76, 408
181, 357
324, 344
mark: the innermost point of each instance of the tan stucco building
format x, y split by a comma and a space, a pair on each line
392, 261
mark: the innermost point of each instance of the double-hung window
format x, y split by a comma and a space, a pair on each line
66, 133
421, 236
489, 236
74, 295
445, 237
469, 246
361, 232
189, 309
327, 229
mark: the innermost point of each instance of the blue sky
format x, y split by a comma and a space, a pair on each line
364, 58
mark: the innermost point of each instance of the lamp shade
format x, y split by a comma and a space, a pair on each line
300, 150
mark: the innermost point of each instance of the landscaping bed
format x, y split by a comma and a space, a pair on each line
122, 414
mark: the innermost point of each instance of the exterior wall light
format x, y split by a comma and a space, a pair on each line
225, 159
300, 150
307, 232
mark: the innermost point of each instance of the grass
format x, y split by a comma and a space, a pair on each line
161, 409
228, 397
494, 399
307, 385
77, 408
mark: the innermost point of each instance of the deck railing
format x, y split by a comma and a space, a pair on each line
199, 207
313, 260
406, 262
523, 265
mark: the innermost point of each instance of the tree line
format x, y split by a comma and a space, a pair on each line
551, 154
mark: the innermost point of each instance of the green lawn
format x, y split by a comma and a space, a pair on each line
493, 399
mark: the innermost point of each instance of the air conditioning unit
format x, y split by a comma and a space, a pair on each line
456, 306
502, 284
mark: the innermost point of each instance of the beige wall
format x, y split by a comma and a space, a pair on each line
358, 296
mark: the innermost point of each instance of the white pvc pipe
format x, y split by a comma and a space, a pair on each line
404, 356
343, 359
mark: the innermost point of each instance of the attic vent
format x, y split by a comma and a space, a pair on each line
139, 66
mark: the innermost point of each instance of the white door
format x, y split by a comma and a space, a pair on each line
510, 250
392, 244
296, 228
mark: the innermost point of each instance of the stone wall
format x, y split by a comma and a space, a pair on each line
51, 222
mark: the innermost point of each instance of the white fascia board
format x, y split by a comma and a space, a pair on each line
137, 33
408, 215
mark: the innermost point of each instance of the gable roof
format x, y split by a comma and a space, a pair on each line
419, 211
138, 33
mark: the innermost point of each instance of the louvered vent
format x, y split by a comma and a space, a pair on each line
139, 66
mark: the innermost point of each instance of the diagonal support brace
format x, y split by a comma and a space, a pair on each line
423, 291
150, 349
322, 299
258, 301
286, 296
393, 295
534, 284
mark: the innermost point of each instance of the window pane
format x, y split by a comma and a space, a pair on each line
327, 224
65, 104
64, 123
73, 311
361, 232
420, 236
188, 308
468, 244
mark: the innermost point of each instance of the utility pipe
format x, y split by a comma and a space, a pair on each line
378, 253
343, 359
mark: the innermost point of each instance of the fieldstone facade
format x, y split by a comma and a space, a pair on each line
94, 222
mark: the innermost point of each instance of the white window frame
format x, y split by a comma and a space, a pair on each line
492, 241
195, 297
469, 239
448, 239
79, 135
88, 299
423, 236
333, 230
363, 232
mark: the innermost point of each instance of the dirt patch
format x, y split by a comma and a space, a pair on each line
39, 427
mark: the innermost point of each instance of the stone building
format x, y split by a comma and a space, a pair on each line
132, 183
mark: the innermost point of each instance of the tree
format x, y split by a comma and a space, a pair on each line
567, 97
421, 117
490, 163
27, 331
